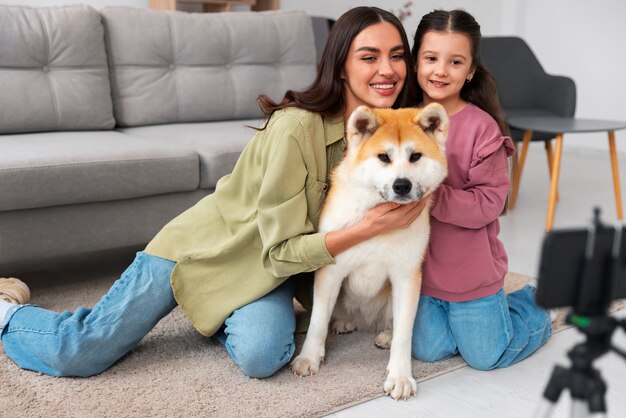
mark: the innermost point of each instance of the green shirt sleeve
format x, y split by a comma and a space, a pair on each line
288, 234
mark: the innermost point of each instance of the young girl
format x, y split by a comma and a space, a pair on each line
232, 262
463, 308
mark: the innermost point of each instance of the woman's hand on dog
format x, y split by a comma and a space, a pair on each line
391, 215
380, 219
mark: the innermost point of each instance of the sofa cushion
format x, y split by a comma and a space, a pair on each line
62, 168
29, 236
181, 67
53, 70
218, 144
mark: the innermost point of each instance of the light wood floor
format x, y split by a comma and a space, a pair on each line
585, 182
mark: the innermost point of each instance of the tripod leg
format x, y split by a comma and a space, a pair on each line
544, 408
588, 389
558, 381
579, 409
597, 406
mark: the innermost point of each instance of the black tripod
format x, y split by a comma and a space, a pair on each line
584, 382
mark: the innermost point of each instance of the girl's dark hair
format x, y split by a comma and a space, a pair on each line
326, 94
482, 90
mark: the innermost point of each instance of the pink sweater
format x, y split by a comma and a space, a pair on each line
466, 260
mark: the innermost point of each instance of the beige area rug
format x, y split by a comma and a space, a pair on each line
175, 372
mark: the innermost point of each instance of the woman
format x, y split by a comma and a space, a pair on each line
234, 260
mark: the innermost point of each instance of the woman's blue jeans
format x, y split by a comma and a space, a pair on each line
490, 332
259, 336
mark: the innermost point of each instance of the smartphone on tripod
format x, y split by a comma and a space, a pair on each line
584, 269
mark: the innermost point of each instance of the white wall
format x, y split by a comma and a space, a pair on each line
486, 12
581, 39
584, 40
98, 4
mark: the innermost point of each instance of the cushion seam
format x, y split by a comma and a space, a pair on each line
55, 103
55, 67
99, 163
233, 86
170, 24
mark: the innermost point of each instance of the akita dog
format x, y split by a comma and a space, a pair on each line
392, 156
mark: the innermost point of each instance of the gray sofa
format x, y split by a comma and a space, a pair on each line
112, 122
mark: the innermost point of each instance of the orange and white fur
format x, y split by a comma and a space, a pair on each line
392, 156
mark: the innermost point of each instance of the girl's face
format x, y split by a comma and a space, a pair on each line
444, 63
375, 70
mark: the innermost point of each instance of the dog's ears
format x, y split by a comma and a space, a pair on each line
361, 125
433, 120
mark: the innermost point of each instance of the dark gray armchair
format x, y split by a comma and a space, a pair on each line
321, 30
525, 89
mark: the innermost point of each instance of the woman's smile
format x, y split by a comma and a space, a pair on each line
384, 88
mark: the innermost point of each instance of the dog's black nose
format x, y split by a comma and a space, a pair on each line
402, 186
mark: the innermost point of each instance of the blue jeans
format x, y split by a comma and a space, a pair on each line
259, 336
490, 332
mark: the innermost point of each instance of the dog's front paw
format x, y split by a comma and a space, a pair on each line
304, 366
341, 326
383, 340
400, 387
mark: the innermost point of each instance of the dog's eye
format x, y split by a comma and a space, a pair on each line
415, 156
384, 158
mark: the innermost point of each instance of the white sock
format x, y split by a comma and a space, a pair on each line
4, 309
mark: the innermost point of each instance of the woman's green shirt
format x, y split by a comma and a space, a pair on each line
259, 226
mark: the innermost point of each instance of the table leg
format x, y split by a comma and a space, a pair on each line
514, 175
518, 168
550, 157
615, 170
554, 181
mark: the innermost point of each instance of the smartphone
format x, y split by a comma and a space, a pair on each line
582, 268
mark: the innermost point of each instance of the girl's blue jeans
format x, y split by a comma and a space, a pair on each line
259, 336
490, 332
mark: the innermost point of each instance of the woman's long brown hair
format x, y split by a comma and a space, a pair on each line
326, 95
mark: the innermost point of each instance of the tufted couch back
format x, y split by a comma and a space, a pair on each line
180, 67
53, 70
163, 67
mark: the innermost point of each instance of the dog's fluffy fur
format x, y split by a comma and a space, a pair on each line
392, 156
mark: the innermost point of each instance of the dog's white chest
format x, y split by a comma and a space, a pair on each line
394, 255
